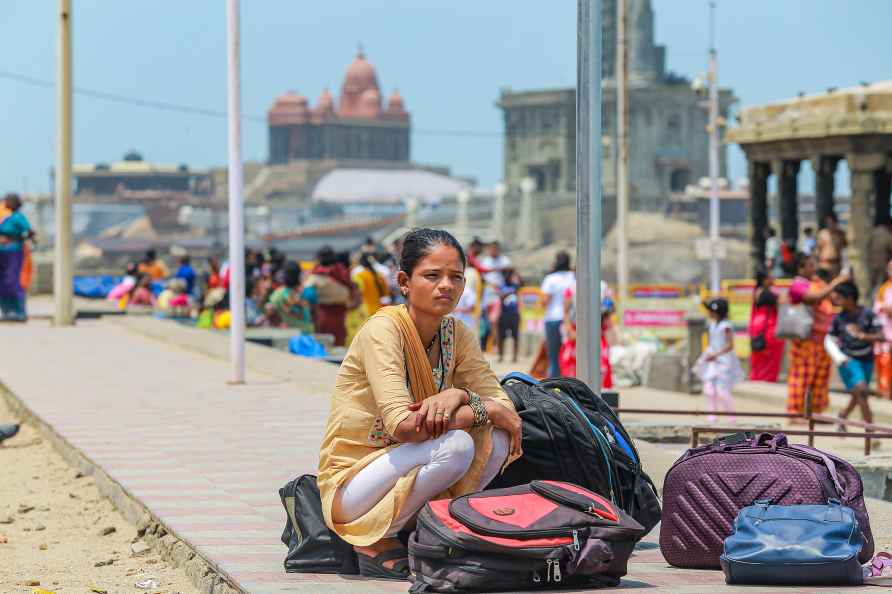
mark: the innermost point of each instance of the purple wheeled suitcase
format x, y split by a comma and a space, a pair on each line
708, 485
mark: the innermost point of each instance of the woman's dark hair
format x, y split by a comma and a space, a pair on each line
847, 290
366, 261
291, 275
799, 260
419, 244
561, 262
326, 256
13, 201
761, 275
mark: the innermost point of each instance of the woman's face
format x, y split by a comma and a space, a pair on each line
808, 268
436, 283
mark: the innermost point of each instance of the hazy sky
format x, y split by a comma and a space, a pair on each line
448, 59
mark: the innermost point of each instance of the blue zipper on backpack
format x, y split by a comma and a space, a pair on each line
602, 443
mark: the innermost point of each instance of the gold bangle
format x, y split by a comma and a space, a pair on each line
481, 416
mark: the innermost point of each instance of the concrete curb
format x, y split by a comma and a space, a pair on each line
204, 573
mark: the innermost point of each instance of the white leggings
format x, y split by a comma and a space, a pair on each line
718, 393
443, 462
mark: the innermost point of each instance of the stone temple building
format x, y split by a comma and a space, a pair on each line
360, 126
668, 142
853, 126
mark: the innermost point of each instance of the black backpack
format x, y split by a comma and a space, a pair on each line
570, 434
312, 547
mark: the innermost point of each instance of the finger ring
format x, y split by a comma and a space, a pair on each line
439, 413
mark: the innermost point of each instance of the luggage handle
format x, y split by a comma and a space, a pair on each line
838, 482
733, 439
780, 440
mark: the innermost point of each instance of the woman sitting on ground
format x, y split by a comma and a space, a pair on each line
417, 414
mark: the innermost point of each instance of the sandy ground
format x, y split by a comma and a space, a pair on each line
54, 539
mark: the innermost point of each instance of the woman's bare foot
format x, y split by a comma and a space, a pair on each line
382, 546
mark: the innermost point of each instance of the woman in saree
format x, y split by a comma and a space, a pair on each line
417, 414
14, 233
767, 350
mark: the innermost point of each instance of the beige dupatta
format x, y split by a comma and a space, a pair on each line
418, 366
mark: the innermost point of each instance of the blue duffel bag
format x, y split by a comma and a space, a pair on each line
794, 545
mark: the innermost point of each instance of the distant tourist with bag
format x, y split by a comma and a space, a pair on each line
719, 368
849, 343
417, 413
766, 350
554, 287
334, 292
810, 364
882, 307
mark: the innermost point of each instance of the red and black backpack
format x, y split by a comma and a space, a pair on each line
545, 534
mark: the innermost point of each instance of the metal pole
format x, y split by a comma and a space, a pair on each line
714, 270
588, 192
622, 138
63, 314
236, 204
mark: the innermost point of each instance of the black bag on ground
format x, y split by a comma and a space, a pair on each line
539, 536
312, 547
570, 434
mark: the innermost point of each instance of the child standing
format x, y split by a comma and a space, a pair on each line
853, 332
719, 367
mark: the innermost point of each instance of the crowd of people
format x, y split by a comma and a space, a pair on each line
857, 339
279, 292
339, 291
334, 295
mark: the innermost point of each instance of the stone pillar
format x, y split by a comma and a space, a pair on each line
758, 173
862, 169
411, 212
462, 221
825, 170
788, 200
882, 182
526, 234
498, 212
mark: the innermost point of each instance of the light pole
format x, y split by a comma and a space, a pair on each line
236, 202
63, 273
714, 269
588, 192
622, 155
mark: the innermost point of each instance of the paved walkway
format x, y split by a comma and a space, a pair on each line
208, 458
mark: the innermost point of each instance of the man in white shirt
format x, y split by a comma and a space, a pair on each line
494, 262
554, 288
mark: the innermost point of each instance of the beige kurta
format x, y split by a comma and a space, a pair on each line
371, 398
